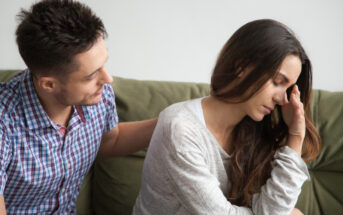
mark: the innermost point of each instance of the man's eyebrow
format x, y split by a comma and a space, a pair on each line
92, 73
96, 69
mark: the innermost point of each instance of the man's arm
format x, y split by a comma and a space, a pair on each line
127, 138
2, 205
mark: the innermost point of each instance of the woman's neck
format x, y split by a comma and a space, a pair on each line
220, 114
221, 118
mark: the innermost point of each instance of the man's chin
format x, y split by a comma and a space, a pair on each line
89, 103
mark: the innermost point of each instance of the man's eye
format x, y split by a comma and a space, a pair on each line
92, 76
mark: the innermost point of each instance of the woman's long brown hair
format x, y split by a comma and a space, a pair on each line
261, 45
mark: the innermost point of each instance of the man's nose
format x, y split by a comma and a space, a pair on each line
106, 78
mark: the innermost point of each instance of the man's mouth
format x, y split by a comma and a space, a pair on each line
99, 92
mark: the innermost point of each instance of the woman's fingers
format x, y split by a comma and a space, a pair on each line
297, 128
285, 99
298, 104
295, 98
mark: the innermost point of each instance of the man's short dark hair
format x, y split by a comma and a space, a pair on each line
52, 32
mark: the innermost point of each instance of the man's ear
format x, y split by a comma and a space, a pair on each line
48, 84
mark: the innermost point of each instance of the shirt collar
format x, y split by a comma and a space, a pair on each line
35, 115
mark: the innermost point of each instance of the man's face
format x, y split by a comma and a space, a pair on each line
85, 86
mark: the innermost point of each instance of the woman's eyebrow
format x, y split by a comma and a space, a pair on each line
284, 77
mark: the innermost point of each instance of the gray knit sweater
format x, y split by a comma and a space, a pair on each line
185, 171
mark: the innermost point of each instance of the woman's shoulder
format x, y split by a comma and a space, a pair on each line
180, 113
179, 124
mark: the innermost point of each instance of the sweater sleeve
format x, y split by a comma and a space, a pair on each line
196, 188
280, 193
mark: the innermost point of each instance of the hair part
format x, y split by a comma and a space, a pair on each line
258, 48
52, 32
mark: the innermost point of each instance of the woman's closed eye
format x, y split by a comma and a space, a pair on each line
276, 83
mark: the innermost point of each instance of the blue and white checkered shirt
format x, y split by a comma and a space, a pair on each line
42, 164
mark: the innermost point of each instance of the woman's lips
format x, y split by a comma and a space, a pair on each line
268, 109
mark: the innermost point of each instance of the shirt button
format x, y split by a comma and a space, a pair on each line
63, 190
68, 166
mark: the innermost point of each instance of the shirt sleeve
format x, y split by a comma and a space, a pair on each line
280, 193
196, 188
4, 159
111, 109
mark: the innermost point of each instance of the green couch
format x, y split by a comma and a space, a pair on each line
112, 184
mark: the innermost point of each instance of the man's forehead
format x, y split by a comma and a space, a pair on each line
92, 59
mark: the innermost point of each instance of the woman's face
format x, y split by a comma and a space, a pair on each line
273, 92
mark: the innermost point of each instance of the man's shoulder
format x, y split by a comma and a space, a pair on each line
9, 95
15, 81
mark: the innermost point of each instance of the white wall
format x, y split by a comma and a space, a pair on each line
179, 40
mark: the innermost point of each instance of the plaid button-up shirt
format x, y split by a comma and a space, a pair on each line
42, 164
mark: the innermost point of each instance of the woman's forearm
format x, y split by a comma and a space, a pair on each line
280, 193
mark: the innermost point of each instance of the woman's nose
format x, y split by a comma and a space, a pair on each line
281, 98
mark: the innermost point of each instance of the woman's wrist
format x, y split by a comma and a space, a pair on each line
295, 142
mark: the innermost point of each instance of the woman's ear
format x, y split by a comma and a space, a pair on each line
240, 72
244, 71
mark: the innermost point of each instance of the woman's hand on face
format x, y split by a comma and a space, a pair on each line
294, 116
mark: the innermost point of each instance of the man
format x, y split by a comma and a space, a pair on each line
58, 114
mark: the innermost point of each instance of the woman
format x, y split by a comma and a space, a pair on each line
237, 151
